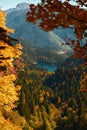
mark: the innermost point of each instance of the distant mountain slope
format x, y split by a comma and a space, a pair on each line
16, 18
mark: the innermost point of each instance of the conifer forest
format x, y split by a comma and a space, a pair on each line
43, 66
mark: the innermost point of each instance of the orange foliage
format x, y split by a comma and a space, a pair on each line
54, 13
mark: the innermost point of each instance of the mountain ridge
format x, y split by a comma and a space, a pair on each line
16, 18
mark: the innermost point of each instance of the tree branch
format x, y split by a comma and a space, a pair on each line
80, 20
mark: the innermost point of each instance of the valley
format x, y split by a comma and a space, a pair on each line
51, 84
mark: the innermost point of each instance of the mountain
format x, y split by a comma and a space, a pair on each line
16, 19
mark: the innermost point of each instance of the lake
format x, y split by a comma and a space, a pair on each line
46, 66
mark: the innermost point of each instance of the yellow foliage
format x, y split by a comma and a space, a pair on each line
83, 82
2, 18
3, 21
10, 52
8, 92
14, 122
41, 98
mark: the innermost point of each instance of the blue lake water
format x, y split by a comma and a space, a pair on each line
46, 66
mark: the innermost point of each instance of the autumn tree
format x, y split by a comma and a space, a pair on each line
8, 89
54, 13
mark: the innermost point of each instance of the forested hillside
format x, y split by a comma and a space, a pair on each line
53, 100
31, 97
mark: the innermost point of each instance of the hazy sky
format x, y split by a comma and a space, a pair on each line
6, 4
